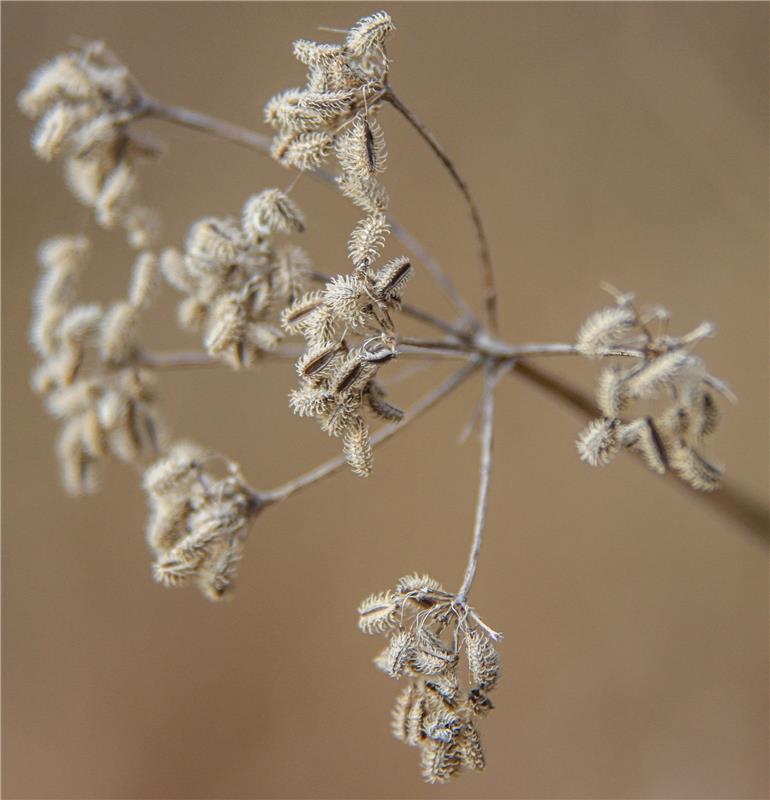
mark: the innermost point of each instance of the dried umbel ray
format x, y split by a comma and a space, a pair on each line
429, 630
248, 287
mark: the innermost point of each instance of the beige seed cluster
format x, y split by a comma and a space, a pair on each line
84, 101
88, 371
197, 521
236, 279
428, 628
347, 326
666, 372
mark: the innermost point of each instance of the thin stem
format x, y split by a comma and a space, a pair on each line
488, 277
487, 430
332, 465
197, 358
204, 123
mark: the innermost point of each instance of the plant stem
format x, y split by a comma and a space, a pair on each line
198, 358
204, 123
332, 465
488, 277
487, 430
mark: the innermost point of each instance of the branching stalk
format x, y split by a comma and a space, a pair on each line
487, 429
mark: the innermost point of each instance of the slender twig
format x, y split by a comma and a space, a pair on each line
488, 277
731, 500
331, 466
197, 358
205, 123
487, 430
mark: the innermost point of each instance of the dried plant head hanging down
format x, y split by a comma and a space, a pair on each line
246, 286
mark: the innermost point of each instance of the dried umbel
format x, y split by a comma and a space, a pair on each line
198, 522
89, 372
84, 101
240, 281
237, 279
336, 112
664, 370
429, 629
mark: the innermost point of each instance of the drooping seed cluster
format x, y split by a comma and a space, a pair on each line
198, 522
84, 101
335, 113
665, 372
236, 279
88, 371
437, 710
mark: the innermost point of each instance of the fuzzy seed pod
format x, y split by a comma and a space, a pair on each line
694, 469
482, 660
297, 316
369, 33
377, 613
401, 709
471, 750
611, 394
173, 475
368, 239
144, 280
642, 435
374, 395
598, 442
400, 652
604, 328
343, 296
658, 373
358, 448
391, 279
117, 334
441, 761
53, 130
271, 211
361, 149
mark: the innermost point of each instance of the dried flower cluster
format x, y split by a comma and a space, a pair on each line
236, 280
665, 371
344, 84
347, 326
198, 521
84, 101
428, 628
244, 289
89, 373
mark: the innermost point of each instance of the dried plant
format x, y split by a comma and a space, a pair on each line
246, 286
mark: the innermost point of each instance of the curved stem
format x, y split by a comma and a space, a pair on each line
488, 277
487, 430
332, 465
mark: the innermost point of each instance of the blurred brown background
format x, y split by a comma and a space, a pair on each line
620, 142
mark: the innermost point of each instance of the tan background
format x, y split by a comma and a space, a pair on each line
616, 142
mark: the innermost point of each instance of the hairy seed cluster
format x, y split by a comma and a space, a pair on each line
84, 101
88, 372
428, 628
236, 279
197, 521
666, 371
347, 326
